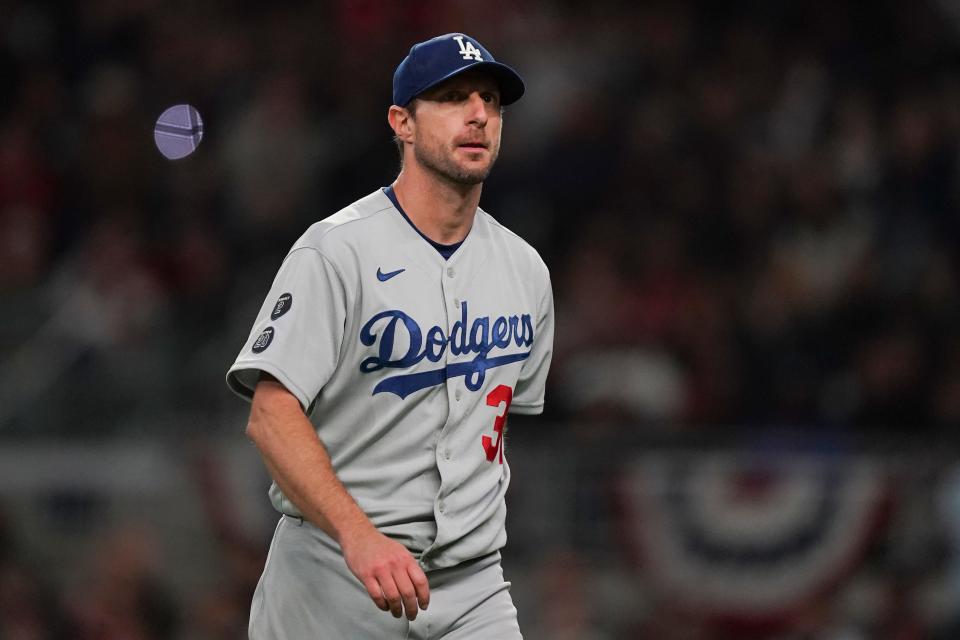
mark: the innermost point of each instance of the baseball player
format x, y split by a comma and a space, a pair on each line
396, 338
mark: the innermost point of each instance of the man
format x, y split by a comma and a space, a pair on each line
397, 335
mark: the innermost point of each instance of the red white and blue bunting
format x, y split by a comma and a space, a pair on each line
749, 538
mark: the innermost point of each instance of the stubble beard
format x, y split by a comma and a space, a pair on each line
445, 167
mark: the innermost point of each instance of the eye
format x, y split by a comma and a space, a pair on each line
453, 96
490, 98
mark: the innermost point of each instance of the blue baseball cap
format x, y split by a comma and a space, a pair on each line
431, 62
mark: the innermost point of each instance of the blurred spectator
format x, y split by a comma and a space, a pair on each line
567, 610
120, 595
271, 160
26, 610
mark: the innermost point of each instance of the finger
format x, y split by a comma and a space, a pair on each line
407, 593
373, 588
389, 588
420, 584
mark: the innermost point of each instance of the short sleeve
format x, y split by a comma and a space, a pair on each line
531, 385
299, 330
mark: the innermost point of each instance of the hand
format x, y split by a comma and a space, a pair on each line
392, 577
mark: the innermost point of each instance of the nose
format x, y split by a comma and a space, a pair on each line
476, 110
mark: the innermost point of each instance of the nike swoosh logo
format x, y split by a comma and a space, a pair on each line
383, 277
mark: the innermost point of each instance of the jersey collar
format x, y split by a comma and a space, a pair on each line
445, 250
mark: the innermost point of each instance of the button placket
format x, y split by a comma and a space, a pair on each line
454, 395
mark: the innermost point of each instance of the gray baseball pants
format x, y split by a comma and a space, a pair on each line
307, 592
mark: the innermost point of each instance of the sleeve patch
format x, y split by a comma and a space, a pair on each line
283, 305
263, 341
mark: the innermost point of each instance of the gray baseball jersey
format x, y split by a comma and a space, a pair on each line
407, 364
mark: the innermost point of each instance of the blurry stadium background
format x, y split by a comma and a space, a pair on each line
750, 211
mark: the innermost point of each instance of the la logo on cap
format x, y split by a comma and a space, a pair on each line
467, 50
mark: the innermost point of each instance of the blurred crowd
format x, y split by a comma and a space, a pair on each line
750, 211
116, 579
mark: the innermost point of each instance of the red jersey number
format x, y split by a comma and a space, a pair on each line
500, 395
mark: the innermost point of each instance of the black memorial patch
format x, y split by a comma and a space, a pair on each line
263, 340
283, 305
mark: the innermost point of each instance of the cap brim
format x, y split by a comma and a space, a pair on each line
510, 83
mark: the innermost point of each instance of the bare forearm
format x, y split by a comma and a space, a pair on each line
300, 464
301, 467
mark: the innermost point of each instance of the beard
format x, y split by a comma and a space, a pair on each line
444, 166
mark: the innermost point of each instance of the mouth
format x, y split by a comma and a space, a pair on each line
472, 146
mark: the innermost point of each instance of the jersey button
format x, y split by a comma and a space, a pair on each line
457, 394
456, 302
449, 272
446, 454
442, 506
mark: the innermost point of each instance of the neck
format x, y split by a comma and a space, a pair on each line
441, 210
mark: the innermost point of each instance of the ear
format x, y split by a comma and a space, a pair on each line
402, 123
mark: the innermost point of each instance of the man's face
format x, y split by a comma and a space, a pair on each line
457, 128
